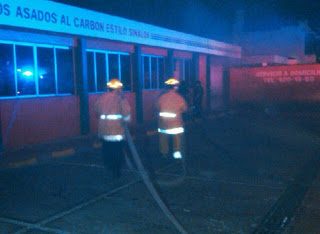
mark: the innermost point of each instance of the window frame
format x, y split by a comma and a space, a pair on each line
106, 53
183, 67
183, 61
35, 59
150, 71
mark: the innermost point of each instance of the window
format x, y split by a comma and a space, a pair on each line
113, 62
153, 72
101, 72
183, 70
46, 72
28, 69
90, 72
125, 72
146, 72
104, 65
7, 75
25, 70
65, 71
161, 73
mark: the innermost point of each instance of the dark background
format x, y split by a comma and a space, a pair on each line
210, 18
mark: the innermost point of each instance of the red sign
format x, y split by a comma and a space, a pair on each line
276, 84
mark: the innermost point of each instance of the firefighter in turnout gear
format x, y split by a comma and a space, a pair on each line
170, 107
113, 109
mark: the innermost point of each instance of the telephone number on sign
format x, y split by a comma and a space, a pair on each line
287, 79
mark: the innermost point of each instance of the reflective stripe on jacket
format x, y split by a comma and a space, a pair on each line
170, 106
112, 109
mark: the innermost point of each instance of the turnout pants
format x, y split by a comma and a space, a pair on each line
113, 156
170, 143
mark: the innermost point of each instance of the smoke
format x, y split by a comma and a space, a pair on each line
212, 19
203, 19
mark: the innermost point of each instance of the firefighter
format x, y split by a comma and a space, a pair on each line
113, 109
170, 107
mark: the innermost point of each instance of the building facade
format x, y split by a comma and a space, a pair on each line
55, 61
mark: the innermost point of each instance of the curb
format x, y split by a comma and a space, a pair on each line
62, 153
45, 157
22, 163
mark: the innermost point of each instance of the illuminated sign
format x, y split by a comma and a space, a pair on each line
56, 17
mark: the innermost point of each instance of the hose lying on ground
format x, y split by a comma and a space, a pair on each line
149, 184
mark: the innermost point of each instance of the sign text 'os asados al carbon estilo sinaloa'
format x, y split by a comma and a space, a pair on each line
33, 15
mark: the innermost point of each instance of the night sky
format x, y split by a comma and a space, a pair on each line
210, 18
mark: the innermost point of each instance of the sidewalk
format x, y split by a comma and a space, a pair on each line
42, 153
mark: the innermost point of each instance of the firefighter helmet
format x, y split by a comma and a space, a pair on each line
114, 84
172, 81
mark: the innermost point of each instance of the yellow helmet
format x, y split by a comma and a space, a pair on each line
172, 81
114, 84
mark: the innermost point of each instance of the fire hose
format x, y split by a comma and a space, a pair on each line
149, 184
